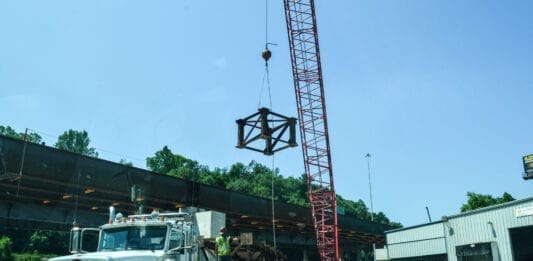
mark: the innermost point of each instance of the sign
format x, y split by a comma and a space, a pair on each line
528, 166
525, 211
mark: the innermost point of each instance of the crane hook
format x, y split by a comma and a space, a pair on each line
266, 54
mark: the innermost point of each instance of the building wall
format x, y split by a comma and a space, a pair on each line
418, 241
486, 226
381, 254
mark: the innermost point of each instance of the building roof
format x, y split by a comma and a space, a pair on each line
467, 213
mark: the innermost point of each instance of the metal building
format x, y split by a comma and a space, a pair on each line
501, 232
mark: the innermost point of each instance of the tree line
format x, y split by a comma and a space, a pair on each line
253, 178
71, 140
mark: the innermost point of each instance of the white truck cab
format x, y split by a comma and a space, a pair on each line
156, 236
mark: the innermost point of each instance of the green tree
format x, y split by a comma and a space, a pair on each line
163, 161
46, 242
126, 163
39, 241
215, 177
76, 141
355, 208
253, 178
10, 132
166, 162
6, 245
238, 178
381, 218
476, 201
395, 224
294, 190
506, 197
187, 168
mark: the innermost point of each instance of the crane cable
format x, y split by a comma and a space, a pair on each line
266, 79
273, 213
266, 54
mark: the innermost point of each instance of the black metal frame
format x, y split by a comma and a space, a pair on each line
268, 126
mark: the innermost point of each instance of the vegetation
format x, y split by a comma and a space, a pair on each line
476, 201
10, 132
76, 141
32, 257
32, 244
48, 242
6, 252
71, 140
255, 179
126, 163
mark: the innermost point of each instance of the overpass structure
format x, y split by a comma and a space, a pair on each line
45, 188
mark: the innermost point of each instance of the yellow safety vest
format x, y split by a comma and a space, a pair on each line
223, 245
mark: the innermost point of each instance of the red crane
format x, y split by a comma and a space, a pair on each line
309, 88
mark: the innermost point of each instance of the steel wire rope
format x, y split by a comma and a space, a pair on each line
273, 212
266, 81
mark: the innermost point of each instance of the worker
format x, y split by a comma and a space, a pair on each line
222, 246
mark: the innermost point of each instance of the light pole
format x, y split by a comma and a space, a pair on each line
367, 156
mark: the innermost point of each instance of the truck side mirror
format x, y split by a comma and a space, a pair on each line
75, 241
83, 240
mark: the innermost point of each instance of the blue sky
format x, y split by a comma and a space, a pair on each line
439, 92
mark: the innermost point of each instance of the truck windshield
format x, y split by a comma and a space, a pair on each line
133, 238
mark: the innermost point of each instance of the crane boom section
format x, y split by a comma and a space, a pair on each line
310, 99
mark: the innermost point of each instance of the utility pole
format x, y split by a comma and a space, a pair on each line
367, 156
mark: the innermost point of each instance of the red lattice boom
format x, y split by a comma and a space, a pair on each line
308, 86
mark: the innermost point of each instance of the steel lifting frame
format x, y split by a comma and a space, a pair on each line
268, 126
